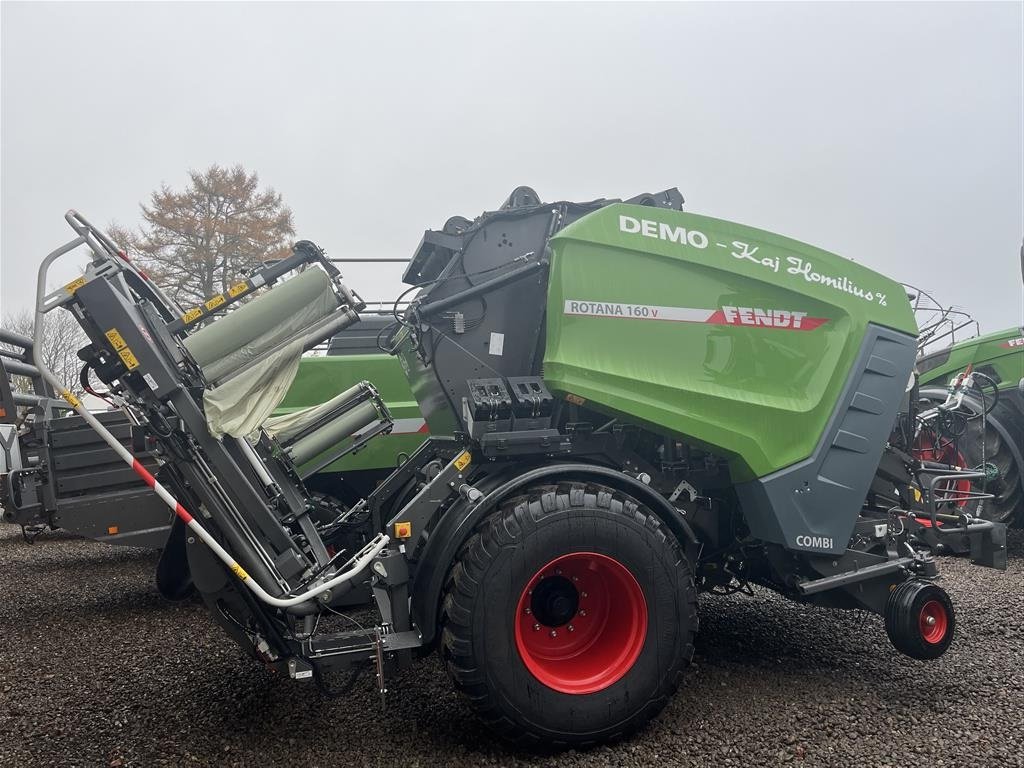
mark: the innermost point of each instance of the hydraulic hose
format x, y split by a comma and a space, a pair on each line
355, 565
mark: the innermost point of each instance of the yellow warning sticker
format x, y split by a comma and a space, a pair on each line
75, 284
115, 339
462, 460
403, 530
215, 302
66, 394
239, 571
575, 399
192, 314
128, 359
238, 289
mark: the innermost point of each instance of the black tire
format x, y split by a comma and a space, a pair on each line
988, 446
482, 601
1008, 504
919, 619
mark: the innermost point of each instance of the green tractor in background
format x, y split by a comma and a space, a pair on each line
988, 430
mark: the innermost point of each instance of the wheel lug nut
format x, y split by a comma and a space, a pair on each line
536, 627
575, 578
554, 633
528, 610
583, 613
571, 628
558, 571
583, 594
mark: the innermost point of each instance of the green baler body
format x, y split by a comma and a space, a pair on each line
685, 323
736, 338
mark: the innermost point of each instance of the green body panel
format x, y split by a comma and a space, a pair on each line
321, 378
1003, 351
759, 394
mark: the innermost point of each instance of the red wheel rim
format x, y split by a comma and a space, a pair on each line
933, 621
580, 622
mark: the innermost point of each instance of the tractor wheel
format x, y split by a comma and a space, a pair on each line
975, 448
1008, 504
569, 616
919, 619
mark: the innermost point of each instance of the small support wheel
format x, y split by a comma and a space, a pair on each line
919, 619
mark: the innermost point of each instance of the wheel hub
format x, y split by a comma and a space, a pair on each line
554, 601
581, 622
933, 622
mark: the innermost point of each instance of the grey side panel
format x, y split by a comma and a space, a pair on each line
813, 506
131, 518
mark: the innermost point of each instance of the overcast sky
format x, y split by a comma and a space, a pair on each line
891, 134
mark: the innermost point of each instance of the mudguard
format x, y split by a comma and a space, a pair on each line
457, 525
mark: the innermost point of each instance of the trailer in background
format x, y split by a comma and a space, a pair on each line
56, 472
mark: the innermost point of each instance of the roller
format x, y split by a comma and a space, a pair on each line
333, 432
286, 428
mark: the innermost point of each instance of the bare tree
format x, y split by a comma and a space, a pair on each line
62, 338
194, 243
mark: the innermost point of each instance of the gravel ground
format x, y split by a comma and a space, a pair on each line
96, 669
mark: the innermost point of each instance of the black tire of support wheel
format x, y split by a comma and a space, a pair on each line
494, 566
902, 619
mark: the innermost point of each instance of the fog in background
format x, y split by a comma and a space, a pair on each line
890, 134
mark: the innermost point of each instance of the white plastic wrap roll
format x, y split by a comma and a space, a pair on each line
262, 324
284, 428
267, 329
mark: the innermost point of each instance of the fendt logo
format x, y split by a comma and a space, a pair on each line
1013, 343
767, 318
754, 317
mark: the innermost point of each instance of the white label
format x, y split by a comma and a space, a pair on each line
796, 265
814, 542
302, 674
257, 281
753, 316
663, 231
640, 311
150, 380
497, 345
